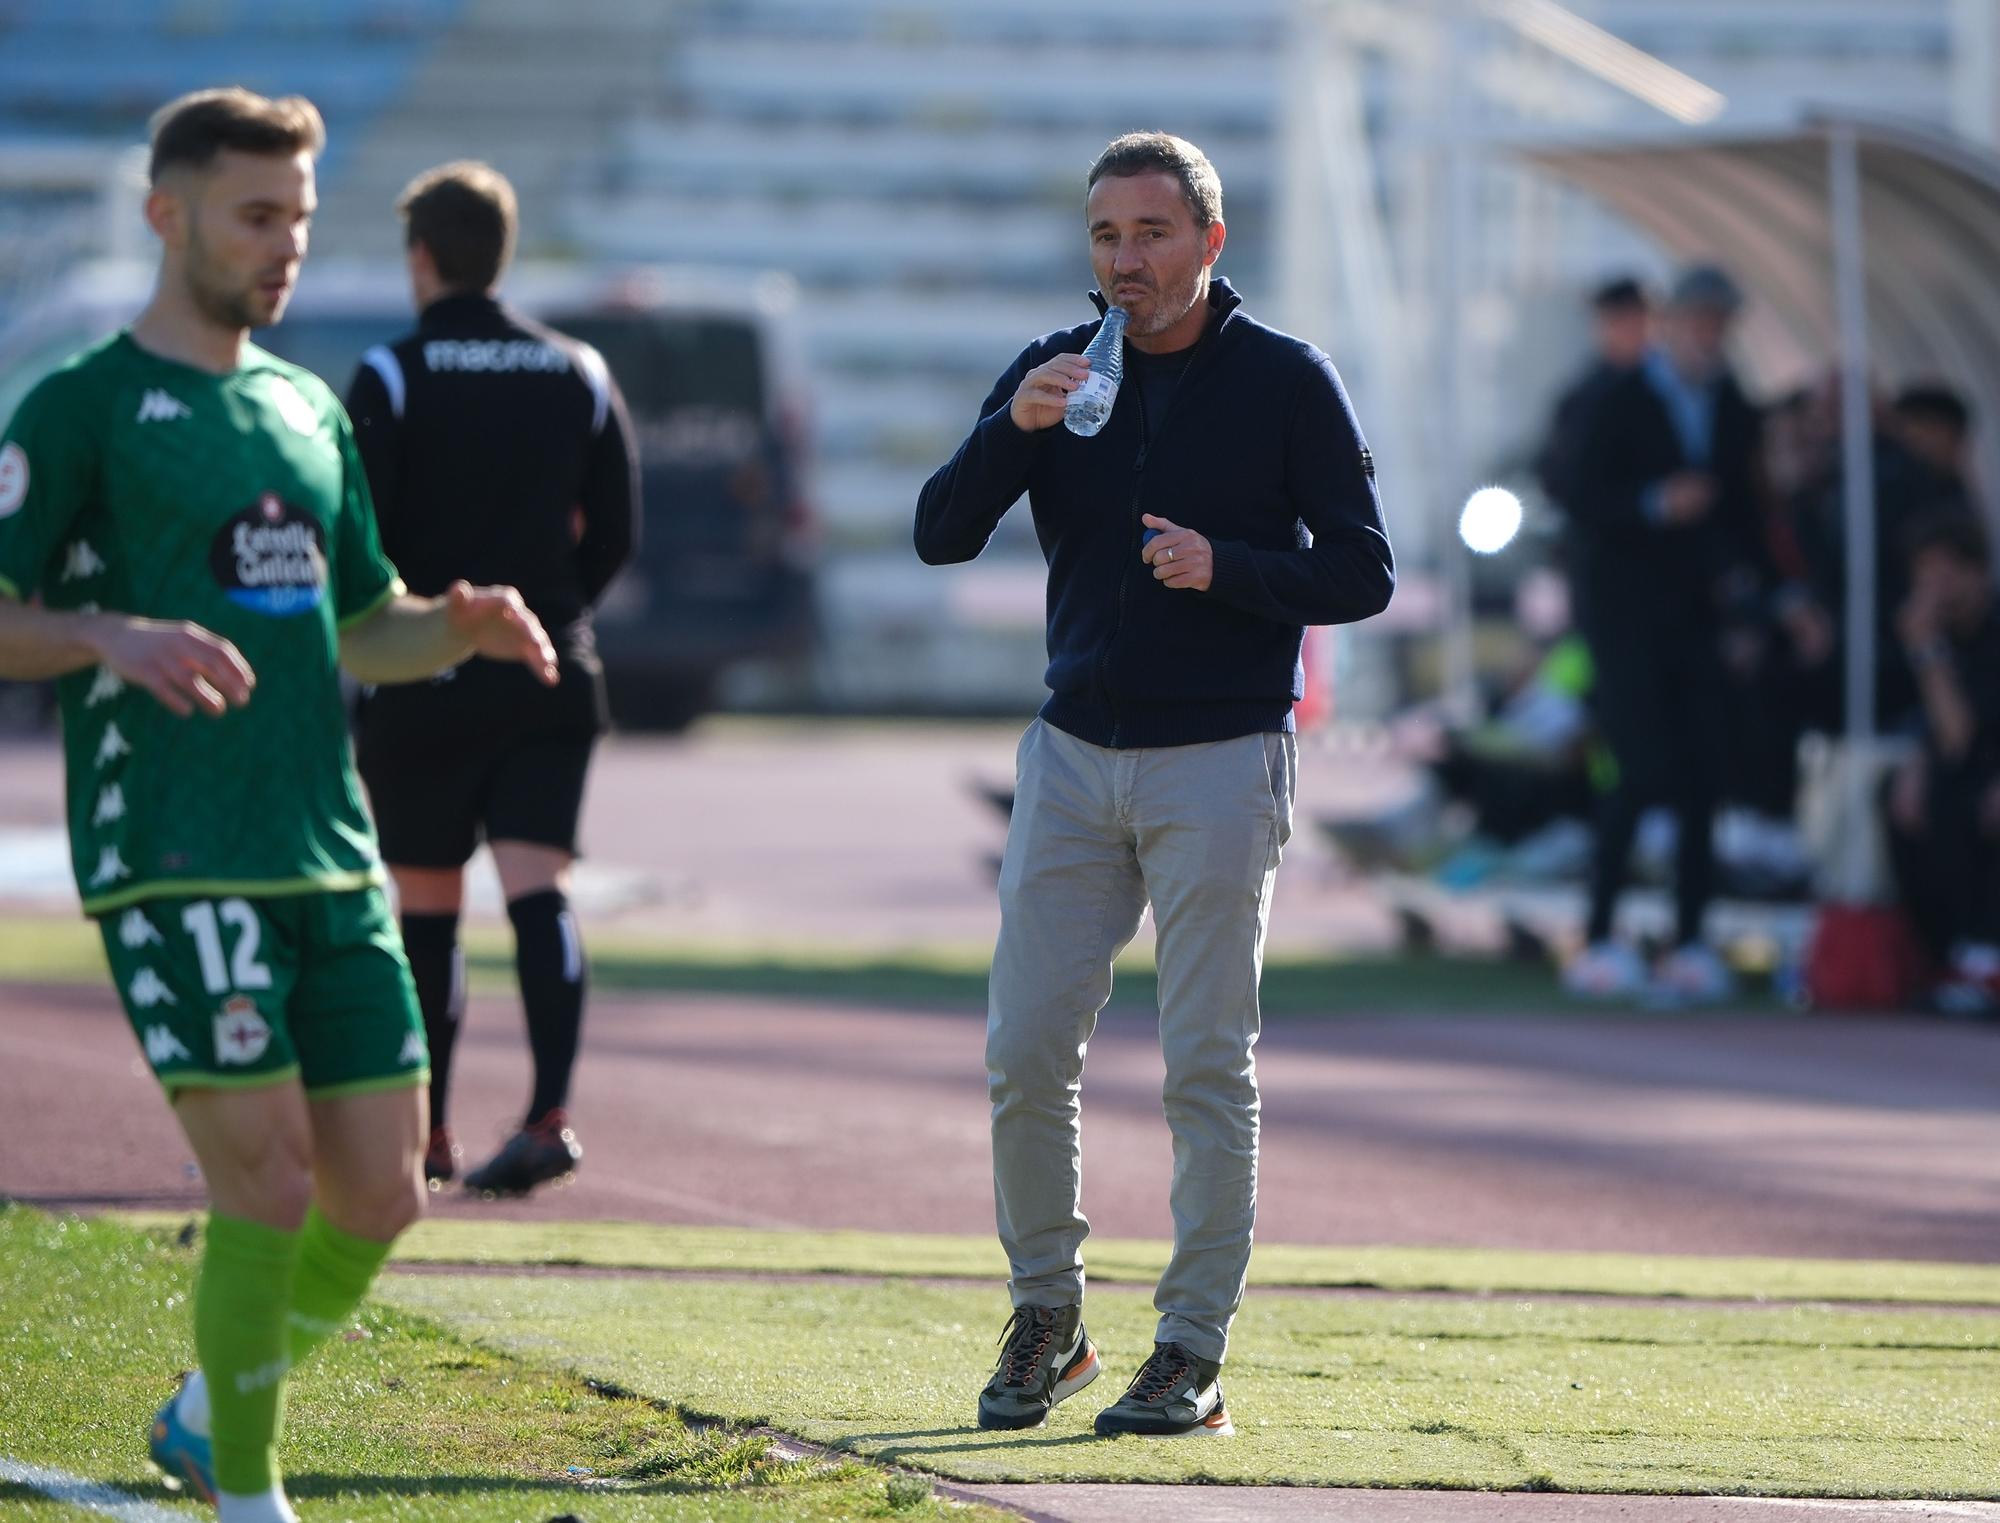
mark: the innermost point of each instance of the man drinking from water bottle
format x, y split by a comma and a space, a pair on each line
1227, 502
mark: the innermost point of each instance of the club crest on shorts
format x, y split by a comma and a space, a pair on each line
241, 1035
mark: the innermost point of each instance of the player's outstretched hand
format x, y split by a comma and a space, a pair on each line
183, 665
498, 625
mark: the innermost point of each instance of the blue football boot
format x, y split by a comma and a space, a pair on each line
184, 1456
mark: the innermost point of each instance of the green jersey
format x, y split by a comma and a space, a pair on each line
237, 502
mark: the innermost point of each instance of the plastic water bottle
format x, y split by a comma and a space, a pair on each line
1090, 404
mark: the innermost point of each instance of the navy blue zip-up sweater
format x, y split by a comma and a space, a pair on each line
1260, 452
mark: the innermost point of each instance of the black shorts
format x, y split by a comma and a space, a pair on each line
483, 753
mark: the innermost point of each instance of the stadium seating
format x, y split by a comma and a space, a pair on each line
98, 69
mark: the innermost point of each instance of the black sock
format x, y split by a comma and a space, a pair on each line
548, 958
431, 942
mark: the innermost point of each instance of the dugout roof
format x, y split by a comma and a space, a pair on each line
1761, 205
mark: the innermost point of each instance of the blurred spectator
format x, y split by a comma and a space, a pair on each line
1933, 425
1504, 798
1661, 487
1944, 803
1922, 453
1529, 765
1621, 326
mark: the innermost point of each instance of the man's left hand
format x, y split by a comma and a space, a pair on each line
499, 626
1179, 557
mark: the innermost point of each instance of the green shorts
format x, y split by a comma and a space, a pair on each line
239, 991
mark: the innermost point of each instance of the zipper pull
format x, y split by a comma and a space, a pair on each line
1139, 460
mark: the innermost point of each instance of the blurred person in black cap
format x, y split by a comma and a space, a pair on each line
1662, 497
1944, 802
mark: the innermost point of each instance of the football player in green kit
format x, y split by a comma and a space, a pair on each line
191, 516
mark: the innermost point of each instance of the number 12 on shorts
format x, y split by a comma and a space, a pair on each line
204, 921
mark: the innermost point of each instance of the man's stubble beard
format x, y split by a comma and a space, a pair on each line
226, 308
1169, 307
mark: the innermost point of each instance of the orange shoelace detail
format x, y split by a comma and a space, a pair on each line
1159, 1375
1025, 1341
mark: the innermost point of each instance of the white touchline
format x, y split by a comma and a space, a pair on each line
91, 1496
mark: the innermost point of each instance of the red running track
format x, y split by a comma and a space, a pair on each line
1726, 1135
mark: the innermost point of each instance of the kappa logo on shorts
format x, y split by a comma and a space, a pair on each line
414, 1052
162, 1046
240, 1033
149, 989
136, 931
13, 479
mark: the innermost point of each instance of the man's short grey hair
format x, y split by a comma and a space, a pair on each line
1145, 153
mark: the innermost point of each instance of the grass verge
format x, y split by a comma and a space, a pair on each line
403, 1422
476, 1393
1792, 1401
1465, 1271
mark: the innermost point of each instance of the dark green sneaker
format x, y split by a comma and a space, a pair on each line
1174, 1395
1045, 1357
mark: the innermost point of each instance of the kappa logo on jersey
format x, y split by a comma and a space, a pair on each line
81, 562
271, 557
110, 805
136, 931
105, 686
414, 1051
240, 1033
158, 406
493, 355
293, 408
13, 479
162, 1046
149, 989
110, 868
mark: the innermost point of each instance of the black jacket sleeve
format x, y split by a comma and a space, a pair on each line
1555, 462
1347, 573
610, 502
964, 501
375, 431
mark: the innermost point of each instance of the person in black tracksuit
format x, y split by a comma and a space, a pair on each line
497, 450
1666, 543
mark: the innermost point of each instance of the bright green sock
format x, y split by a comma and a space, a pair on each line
240, 1306
335, 1270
